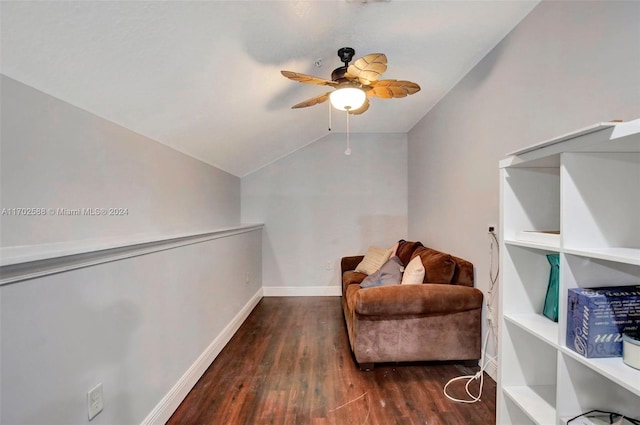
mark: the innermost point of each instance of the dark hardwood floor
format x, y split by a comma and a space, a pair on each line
290, 363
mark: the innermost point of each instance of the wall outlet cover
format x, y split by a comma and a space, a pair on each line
95, 403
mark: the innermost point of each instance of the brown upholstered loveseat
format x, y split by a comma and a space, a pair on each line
438, 320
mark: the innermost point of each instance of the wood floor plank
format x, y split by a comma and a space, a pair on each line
290, 364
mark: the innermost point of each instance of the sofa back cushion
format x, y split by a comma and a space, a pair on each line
405, 251
463, 275
439, 267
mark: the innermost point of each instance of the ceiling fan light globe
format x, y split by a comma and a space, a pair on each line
347, 98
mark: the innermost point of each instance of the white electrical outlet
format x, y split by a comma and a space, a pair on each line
94, 401
329, 265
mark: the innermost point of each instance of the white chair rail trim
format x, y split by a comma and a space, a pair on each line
21, 263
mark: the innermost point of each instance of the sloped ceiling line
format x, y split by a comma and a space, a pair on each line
204, 77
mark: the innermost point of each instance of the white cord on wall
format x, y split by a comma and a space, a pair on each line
492, 328
494, 280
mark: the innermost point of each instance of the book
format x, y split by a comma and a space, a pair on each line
597, 318
547, 237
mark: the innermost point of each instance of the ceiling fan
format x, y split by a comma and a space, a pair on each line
354, 84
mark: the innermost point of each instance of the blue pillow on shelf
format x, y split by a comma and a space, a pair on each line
390, 273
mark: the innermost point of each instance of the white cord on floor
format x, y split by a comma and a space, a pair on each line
470, 378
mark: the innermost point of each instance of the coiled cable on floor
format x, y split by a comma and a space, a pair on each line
470, 378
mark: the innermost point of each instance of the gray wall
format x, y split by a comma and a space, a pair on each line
135, 325
319, 205
565, 66
55, 155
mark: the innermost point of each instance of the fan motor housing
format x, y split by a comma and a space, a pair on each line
345, 54
338, 74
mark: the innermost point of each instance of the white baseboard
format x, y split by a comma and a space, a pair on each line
492, 369
302, 291
170, 402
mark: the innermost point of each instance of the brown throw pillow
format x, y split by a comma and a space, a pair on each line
438, 266
405, 251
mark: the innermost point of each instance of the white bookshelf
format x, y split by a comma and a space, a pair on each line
586, 184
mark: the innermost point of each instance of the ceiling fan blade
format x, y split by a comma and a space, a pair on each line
388, 89
367, 68
307, 79
312, 101
361, 109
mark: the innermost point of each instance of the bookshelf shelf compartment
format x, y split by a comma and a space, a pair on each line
583, 184
611, 368
537, 325
604, 384
536, 401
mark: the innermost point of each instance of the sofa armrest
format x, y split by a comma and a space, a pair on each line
428, 298
350, 263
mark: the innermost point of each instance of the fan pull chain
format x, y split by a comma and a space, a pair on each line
348, 150
329, 103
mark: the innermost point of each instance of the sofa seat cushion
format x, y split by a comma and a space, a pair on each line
438, 266
411, 300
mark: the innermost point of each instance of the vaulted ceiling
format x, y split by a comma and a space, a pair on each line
204, 77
